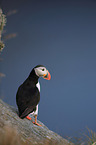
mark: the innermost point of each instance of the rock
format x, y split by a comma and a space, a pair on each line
26, 129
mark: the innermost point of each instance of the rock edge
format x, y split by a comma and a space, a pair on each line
26, 129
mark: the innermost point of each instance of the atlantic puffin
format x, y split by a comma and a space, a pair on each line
28, 93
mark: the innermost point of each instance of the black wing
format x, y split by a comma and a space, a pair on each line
27, 98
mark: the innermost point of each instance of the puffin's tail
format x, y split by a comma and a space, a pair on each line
25, 113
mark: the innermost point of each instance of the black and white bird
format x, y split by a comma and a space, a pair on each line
28, 94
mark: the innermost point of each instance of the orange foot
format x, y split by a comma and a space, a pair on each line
37, 124
29, 118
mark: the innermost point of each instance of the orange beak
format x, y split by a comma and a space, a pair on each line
47, 76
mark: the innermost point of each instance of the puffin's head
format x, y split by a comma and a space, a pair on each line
41, 71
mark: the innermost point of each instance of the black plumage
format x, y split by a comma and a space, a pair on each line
28, 95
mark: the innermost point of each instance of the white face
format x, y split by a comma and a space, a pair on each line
41, 71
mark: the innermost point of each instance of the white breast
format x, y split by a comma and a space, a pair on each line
38, 86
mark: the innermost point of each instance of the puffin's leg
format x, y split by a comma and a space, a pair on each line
36, 121
29, 118
35, 114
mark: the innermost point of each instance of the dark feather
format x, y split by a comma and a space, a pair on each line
27, 97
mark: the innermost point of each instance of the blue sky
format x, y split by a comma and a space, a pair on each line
62, 36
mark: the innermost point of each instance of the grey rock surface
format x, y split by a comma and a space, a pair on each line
27, 130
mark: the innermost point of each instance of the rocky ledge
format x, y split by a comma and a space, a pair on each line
27, 131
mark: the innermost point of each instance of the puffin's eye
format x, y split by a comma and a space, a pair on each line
43, 69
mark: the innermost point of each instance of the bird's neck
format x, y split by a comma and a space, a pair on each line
33, 77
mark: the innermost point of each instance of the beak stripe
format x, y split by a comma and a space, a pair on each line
47, 76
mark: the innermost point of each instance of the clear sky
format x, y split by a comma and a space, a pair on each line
60, 34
